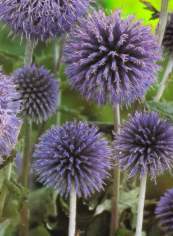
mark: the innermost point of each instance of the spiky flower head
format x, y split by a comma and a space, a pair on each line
38, 92
9, 130
115, 60
145, 145
8, 95
41, 19
168, 35
74, 153
164, 212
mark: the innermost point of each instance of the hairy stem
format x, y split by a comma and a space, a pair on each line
58, 52
72, 215
116, 180
28, 125
27, 153
163, 20
168, 70
141, 203
161, 31
4, 190
24, 229
28, 52
57, 58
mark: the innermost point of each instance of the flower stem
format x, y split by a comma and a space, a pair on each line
116, 180
57, 58
24, 229
163, 20
58, 52
72, 215
168, 70
28, 52
28, 125
27, 153
141, 203
4, 190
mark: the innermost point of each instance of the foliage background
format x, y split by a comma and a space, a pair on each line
75, 107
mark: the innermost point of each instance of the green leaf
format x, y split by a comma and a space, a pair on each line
124, 232
163, 108
128, 199
7, 228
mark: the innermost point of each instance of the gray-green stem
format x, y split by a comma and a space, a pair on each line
163, 20
72, 213
58, 52
57, 58
27, 152
168, 70
116, 180
141, 204
160, 34
4, 190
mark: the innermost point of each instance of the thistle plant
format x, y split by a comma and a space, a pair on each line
41, 19
109, 59
115, 62
38, 91
10, 126
74, 159
144, 147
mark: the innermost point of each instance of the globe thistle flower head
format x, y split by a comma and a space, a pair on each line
164, 212
115, 60
74, 153
145, 145
38, 91
9, 130
8, 95
41, 19
168, 35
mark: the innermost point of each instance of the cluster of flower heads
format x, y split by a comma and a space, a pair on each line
115, 61
38, 92
145, 145
74, 153
41, 19
9, 123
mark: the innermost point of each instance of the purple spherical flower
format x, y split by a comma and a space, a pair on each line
164, 212
8, 95
145, 145
38, 91
41, 19
9, 130
110, 59
75, 152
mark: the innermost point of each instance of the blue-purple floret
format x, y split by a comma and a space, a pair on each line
111, 60
38, 92
8, 95
41, 19
74, 153
145, 145
9, 130
164, 212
